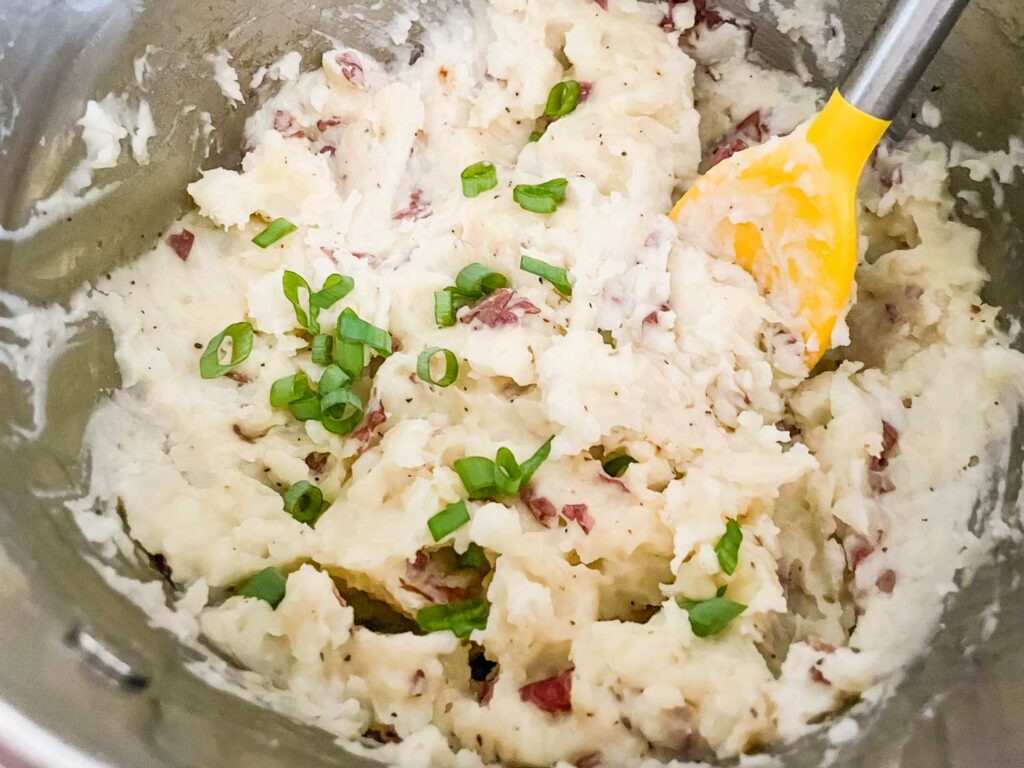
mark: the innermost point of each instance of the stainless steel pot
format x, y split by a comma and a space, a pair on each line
83, 679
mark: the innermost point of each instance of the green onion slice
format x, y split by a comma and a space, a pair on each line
478, 178
486, 479
289, 389
277, 229
448, 520
335, 288
460, 616
333, 378
292, 283
532, 464
354, 329
473, 558
709, 617
341, 411
478, 476
615, 466
535, 135
540, 198
728, 547
444, 309
350, 357
476, 280
508, 474
557, 276
323, 349
241, 335
306, 408
305, 502
451, 366
447, 303
562, 99
267, 585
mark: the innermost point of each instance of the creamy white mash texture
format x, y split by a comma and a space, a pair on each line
853, 488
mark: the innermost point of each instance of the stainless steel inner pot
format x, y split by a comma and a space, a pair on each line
83, 679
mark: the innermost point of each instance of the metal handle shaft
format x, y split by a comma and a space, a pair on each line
896, 55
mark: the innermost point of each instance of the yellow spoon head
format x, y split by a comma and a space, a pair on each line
786, 212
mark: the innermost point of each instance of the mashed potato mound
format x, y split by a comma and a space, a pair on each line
778, 545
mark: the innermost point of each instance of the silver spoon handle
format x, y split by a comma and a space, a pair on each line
897, 53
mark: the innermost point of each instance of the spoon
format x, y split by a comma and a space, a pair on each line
786, 211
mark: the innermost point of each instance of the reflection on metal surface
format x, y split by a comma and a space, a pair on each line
105, 661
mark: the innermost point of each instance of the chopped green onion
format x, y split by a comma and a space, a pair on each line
289, 389
562, 99
323, 348
507, 472
292, 282
478, 476
473, 558
478, 178
451, 366
535, 135
532, 464
540, 198
333, 378
350, 357
306, 408
444, 309
728, 547
447, 303
448, 520
353, 328
486, 479
267, 585
210, 365
341, 411
476, 280
711, 616
557, 276
615, 466
305, 502
607, 337
277, 229
460, 616
335, 288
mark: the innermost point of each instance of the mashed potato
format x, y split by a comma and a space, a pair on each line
709, 550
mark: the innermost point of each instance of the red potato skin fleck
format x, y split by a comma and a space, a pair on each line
541, 508
702, 16
181, 243
749, 131
416, 209
351, 69
327, 149
423, 578
886, 581
580, 514
418, 686
324, 123
373, 419
878, 482
551, 695
503, 307
487, 692
602, 4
